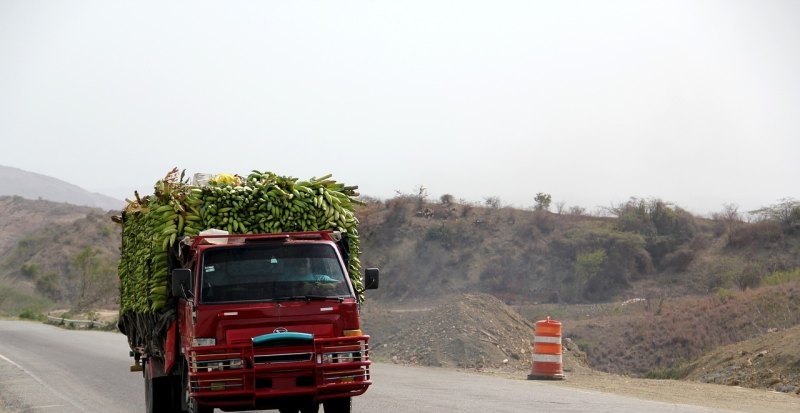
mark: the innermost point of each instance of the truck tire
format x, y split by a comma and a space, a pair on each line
338, 405
312, 407
157, 395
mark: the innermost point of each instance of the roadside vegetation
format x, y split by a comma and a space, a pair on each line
643, 287
645, 248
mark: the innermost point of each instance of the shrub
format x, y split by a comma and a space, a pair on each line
625, 259
664, 226
29, 270
577, 210
679, 260
725, 294
545, 222
722, 272
668, 373
759, 232
782, 277
785, 213
31, 314
543, 201
749, 277
493, 202
399, 208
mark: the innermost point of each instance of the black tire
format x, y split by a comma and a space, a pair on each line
313, 407
338, 405
310, 407
157, 395
176, 393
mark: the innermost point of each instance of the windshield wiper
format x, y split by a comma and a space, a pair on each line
309, 298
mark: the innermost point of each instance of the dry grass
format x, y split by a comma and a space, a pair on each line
684, 329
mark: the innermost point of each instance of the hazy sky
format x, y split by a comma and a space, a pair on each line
696, 102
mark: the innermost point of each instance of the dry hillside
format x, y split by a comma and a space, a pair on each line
20, 217
660, 340
55, 254
646, 291
649, 249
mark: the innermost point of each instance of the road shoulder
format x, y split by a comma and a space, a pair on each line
735, 399
22, 392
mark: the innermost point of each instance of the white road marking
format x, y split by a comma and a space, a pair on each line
45, 385
38, 380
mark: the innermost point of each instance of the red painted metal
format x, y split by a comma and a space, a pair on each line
332, 366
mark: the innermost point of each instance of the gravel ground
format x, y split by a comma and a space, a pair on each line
476, 333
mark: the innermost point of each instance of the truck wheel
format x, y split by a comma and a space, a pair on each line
312, 407
157, 395
338, 405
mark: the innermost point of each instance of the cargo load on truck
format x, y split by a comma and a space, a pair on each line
154, 226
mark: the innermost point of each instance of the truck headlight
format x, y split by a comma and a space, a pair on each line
236, 364
220, 365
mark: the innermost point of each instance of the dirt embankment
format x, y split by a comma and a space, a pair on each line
771, 361
469, 331
478, 332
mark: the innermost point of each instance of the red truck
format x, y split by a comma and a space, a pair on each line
265, 321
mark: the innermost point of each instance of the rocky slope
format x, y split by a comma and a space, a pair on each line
469, 331
771, 361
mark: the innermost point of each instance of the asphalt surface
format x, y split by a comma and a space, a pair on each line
48, 369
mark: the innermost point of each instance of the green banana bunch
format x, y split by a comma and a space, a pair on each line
263, 202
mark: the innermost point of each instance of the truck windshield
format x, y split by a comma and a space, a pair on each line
272, 272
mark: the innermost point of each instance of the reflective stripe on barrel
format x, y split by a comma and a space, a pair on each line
547, 357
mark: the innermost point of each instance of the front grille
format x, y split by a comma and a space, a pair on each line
283, 358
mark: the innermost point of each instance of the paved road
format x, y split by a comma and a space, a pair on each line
47, 369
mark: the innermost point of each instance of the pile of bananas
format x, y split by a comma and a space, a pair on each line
263, 202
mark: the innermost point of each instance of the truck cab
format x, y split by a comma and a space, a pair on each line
267, 321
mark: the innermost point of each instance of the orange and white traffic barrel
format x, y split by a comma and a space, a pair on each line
547, 358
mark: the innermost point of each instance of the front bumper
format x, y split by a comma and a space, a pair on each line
244, 376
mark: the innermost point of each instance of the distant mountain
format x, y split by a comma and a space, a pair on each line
31, 185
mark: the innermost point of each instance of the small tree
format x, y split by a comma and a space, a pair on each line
493, 202
91, 278
422, 194
786, 212
577, 210
87, 264
729, 217
543, 201
561, 207
446, 199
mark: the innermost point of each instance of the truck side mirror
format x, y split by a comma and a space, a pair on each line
371, 279
181, 282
